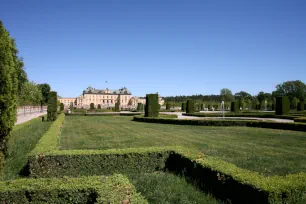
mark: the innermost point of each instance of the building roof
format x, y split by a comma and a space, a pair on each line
91, 90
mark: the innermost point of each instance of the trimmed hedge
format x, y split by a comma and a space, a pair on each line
248, 123
139, 107
95, 189
168, 106
300, 120
52, 106
117, 107
61, 107
103, 114
190, 106
235, 106
92, 106
282, 106
152, 106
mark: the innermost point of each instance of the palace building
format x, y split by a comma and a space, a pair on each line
106, 98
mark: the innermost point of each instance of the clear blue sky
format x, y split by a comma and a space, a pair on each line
171, 47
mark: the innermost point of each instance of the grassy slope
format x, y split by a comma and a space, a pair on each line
23, 139
264, 150
167, 188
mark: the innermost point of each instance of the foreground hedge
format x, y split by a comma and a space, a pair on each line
102, 189
300, 120
220, 122
103, 114
226, 181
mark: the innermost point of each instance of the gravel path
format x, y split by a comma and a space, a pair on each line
180, 116
22, 118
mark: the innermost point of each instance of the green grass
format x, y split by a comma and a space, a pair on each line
268, 151
167, 188
23, 139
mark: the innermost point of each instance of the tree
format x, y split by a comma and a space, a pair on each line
30, 94
291, 89
226, 95
45, 90
8, 88
243, 94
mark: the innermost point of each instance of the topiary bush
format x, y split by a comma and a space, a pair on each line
300, 106
117, 107
152, 106
190, 106
235, 106
168, 106
139, 107
92, 106
184, 106
282, 106
99, 106
52, 106
61, 107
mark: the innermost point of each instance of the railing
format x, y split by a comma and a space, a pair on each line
23, 110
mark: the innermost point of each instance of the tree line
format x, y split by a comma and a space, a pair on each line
295, 90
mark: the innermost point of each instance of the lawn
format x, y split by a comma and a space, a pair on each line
23, 139
167, 188
270, 152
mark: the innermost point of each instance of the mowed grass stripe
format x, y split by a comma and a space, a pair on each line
271, 152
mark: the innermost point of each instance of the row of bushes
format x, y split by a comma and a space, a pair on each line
248, 123
300, 120
95, 189
250, 115
103, 114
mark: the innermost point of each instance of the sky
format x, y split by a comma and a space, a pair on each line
172, 47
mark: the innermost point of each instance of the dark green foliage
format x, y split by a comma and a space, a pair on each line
102, 189
184, 106
300, 106
45, 90
92, 106
99, 106
117, 108
282, 105
168, 106
140, 107
152, 106
190, 106
52, 106
300, 120
248, 123
235, 106
202, 106
71, 106
8, 88
61, 107
294, 103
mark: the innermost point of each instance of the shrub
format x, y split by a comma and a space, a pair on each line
235, 106
92, 106
282, 105
139, 107
190, 106
168, 106
99, 106
52, 106
117, 108
95, 189
8, 88
202, 106
300, 106
209, 107
61, 107
152, 106
184, 106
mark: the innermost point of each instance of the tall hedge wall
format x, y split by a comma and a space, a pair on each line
8, 88
190, 106
184, 106
61, 107
300, 106
152, 106
282, 106
95, 189
52, 106
139, 107
235, 106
